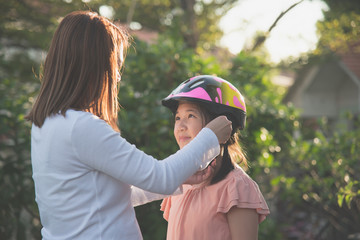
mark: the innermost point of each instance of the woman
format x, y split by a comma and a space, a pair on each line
82, 168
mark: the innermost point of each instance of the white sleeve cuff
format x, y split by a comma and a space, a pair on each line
214, 146
140, 196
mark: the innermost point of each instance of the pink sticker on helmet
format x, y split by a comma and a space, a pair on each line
219, 92
216, 99
238, 104
198, 93
222, 81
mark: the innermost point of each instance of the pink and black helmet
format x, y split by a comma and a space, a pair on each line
219, 96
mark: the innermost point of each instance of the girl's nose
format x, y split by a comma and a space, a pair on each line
181, 125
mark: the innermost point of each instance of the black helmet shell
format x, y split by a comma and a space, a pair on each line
219, 96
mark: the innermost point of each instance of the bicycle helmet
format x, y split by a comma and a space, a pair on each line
219, 96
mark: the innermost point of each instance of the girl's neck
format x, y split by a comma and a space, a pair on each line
216, 164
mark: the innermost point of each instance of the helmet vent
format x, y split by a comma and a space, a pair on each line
196, 84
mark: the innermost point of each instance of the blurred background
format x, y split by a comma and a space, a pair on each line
296, 62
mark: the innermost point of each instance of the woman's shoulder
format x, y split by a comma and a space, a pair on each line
71, 113
76, 123
64, 121
82, 118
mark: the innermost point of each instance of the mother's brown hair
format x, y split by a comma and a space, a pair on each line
81, 67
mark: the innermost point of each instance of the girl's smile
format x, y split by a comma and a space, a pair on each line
184, 139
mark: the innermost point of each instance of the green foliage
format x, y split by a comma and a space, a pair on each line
340, 32
269, 229
30, 24
150, 14
18, 211
326, 174
305, 182
268, 133
270, 123
318, 186
25, 29
195, 22
341, 27
349, 193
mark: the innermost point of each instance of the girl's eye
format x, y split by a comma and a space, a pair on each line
191, 116
177, 118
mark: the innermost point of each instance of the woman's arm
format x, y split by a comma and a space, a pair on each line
99, 147
243, 223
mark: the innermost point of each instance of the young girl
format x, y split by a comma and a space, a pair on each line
229, 204
82, 168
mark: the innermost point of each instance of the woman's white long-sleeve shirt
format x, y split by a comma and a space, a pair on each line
83, 171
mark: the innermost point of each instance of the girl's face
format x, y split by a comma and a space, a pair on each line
189, 120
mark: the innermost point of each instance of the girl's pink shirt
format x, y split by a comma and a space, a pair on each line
200, 212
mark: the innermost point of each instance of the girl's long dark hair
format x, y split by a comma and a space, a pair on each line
232, 155
232, 152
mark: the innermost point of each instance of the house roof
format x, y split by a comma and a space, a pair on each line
351, 59
348, 60
144, 34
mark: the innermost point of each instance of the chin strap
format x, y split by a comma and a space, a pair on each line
225, 161
226, 151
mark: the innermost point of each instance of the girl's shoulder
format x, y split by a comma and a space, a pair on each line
237, 175
240, 190
236, 181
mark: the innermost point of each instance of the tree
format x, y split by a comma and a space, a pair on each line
317, 184
201, 22
18, 212
261, 37
30, 24
195, 22
340, 29
326, 185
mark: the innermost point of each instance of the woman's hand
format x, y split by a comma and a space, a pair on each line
201, 176
222, 128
